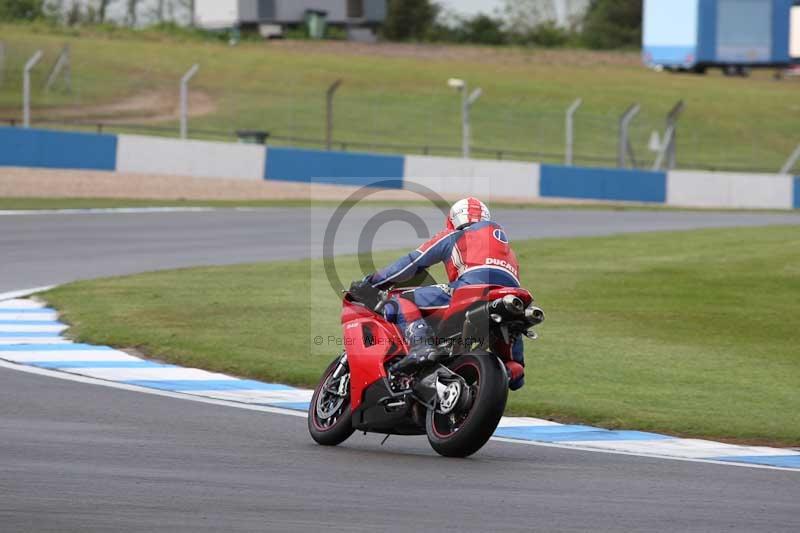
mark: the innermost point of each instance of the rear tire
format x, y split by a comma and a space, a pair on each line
336, 428
461, 434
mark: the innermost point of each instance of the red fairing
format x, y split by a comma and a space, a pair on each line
466, 297
369, 341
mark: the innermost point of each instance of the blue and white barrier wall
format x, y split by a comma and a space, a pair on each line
603, 184
717, 189
57, 149
339, 168
198, 159
453, 176
479, 177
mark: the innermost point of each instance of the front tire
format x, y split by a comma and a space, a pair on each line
464, 432
330, 420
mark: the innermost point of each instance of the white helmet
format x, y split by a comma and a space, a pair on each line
467, 211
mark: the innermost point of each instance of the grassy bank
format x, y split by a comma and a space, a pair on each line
692, 333
396, 94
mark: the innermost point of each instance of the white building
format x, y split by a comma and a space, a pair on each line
272, 17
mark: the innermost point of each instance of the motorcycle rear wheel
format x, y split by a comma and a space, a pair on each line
338, 426
462, 433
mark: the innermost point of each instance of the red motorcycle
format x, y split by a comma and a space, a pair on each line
457, 402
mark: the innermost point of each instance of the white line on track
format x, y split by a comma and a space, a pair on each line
135, 388
22, 293
276, 410
299, 414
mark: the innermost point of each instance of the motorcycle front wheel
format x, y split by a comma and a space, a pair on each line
464, 430
329, 416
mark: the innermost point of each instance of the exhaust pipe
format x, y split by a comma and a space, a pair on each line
507, 306
534, 314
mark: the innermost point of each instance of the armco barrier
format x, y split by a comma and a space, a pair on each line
340, 168
603, 184
717, 189
487, 179
57, 149
198, 159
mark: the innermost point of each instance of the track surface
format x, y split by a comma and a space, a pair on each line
41, 250
77, 457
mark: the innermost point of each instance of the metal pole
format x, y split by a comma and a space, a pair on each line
787, 168
568, 153
185, 100
331, 92
666, 142
2, 63
468, 102
26, 88
624, 148
672, 124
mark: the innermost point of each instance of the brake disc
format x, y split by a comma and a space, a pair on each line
449, 395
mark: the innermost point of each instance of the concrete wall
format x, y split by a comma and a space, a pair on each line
603, 184
797, 193
57, 149
716, 189
489, 179
200, 159
340, 168
452, 176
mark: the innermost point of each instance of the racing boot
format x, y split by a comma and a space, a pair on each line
421, 340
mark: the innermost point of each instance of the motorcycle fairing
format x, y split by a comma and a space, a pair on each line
369, 342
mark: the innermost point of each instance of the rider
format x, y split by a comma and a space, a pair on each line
474, 250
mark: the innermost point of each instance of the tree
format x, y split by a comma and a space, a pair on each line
525, 15
613, 24
409, 20
102, 9
130, 17
21, 10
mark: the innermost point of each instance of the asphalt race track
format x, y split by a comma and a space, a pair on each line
78, 457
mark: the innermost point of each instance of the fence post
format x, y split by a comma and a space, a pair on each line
185, 99
26, 88
568, 153
329, 94
2, 63
624, 148
62, 64
672, 122
789, 165
668, 143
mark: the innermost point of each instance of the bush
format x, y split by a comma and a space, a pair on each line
547, 34
613, 24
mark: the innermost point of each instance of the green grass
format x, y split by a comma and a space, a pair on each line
690, 333
396, 97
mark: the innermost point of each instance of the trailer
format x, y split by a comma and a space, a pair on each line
735, 35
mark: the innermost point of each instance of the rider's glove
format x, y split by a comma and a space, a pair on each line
363, 291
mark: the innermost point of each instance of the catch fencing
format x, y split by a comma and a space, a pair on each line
375, 116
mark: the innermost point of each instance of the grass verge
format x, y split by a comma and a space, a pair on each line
397, 94
689, 333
